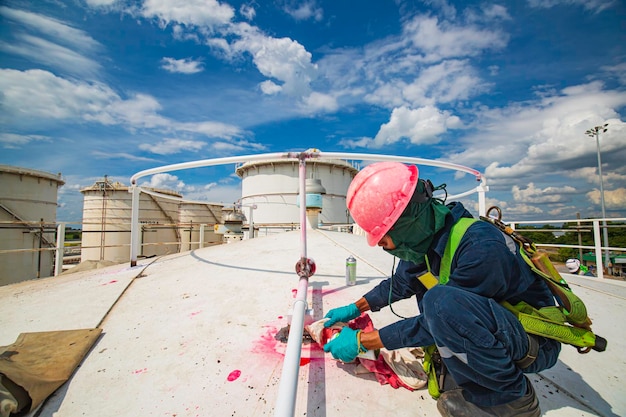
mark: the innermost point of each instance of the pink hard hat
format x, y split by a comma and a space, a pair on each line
378, 195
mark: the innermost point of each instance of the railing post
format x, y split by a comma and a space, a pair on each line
251, 222
201, 243
58, 263
482, 204
134, 225
598, 248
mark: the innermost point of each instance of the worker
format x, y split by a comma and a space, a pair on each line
483, 346
574, 266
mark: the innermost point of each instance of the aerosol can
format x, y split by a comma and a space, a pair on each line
350, 270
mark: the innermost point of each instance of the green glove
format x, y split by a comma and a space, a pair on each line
344, 314
346, 345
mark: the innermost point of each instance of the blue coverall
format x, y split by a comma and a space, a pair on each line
478, 339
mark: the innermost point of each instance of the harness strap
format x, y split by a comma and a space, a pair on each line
456, 234
531, 355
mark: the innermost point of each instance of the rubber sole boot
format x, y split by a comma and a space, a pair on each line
452, 404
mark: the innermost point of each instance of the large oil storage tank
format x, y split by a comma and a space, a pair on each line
272, 186
192, 216
28, 207
107, 210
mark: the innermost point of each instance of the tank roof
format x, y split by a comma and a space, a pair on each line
339, 163
195, 334
32, 173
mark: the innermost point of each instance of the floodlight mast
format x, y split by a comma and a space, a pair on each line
595, 132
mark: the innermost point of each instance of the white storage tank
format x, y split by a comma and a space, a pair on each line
273, 187
28, 208
192, 216
107, 210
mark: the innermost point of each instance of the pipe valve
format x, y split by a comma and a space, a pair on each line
305, 267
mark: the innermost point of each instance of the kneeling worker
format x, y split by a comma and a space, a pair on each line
483, 345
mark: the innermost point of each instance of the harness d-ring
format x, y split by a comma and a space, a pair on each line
497, 209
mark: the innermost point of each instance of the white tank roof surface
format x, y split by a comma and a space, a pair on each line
193, 334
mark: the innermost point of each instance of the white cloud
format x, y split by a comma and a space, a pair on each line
35, 94
281, 59
439, 40
613, 199
164, 181
594, 5
172, 146
305, 11
29, 95
618, 71
15, 141
214, 193
247, 11
55, 29
210, 129
204, 13
100, 3
235, 146
446, 82
319, 102
270, 88
121, 155
421, 126
533, 194
56, 44
183, 66
538, 136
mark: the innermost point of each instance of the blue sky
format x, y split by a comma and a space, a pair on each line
111, 87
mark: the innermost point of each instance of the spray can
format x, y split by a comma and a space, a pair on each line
350, 270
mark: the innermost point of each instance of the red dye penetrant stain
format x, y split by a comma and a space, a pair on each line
140, 371
294, 293
305, 361
234, 375
195, 313
110, 282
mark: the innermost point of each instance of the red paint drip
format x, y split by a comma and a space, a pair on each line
234, 375
110, 282
305, 361
294, 293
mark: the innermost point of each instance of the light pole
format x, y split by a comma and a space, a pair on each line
595, 132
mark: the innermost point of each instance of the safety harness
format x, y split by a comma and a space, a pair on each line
567, 322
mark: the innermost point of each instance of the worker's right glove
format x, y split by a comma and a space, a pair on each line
346, 345
343, 314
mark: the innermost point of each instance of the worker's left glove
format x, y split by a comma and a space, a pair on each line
343, 314
346, 345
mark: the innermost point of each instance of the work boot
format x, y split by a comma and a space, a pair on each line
453, 404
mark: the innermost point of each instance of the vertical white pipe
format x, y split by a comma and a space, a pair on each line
598, 248
134, 225
302, 177
201, 243
286, 400
58, 264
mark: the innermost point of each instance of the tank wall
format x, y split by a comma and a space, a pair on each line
159, 235
274, 189
191, 217
31, 198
